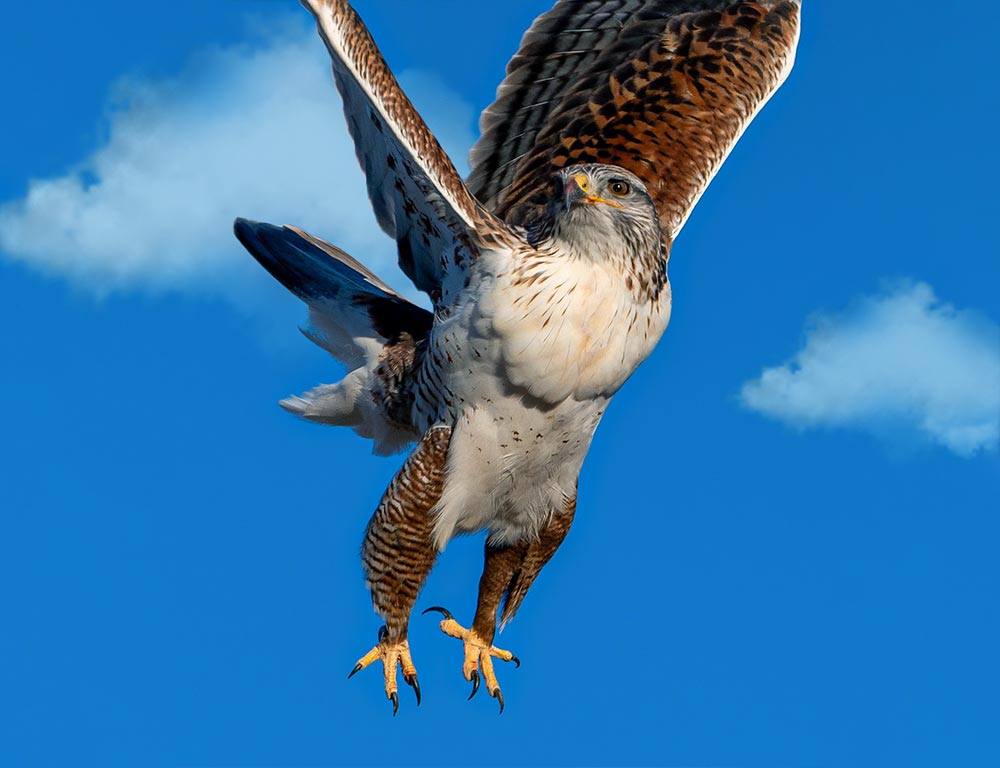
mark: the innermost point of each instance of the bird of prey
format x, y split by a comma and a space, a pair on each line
546, 269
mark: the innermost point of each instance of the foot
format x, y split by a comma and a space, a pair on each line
479, 655
391, 654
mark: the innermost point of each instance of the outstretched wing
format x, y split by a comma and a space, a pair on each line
663, 88
418, 196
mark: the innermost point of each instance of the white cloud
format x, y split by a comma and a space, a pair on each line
246, 131
898, 361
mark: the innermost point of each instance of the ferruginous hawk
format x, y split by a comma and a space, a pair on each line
547, 270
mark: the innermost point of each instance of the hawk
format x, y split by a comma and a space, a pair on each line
546, 268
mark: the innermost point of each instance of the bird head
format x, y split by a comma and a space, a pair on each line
602, 211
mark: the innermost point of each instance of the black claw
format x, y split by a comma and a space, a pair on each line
383, 633
443, 611
497, 694
357, 668
475, 683
415, 684
517, 661
395, 703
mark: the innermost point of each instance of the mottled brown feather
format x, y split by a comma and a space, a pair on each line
499, 566
417, 195
663, 88
509, 570
537, 553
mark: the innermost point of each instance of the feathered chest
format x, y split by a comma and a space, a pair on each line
562, 327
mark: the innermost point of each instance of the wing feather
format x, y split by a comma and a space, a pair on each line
664, 88
418, 196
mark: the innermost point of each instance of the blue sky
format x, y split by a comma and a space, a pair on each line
785, 551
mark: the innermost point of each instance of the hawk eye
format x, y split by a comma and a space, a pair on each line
620, 188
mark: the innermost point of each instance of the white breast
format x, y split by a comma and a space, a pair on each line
528, 360
569, 327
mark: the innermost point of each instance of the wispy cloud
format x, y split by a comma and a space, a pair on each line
902, 360
252, 131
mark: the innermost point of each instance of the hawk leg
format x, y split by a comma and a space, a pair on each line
398, 554
508, 573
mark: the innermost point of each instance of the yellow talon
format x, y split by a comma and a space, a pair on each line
391, 654
479, 656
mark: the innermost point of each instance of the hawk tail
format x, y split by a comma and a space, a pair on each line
359, 320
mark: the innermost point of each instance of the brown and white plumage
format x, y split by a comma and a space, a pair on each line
547, 270
663, 88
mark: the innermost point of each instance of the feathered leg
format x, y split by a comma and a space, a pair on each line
539, 553
398, 554
508, 573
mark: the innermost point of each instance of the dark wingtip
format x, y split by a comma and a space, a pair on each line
244, 228
285, 254
299, 263
247, 231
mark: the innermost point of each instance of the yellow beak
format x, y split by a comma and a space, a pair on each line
582, 182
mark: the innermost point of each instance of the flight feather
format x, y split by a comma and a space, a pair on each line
663, 88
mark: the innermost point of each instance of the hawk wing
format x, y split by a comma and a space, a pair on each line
663, 88
418, 196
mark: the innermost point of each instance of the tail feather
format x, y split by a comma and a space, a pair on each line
333, 404
355, 316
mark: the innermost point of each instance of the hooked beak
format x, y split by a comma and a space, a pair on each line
576, 191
